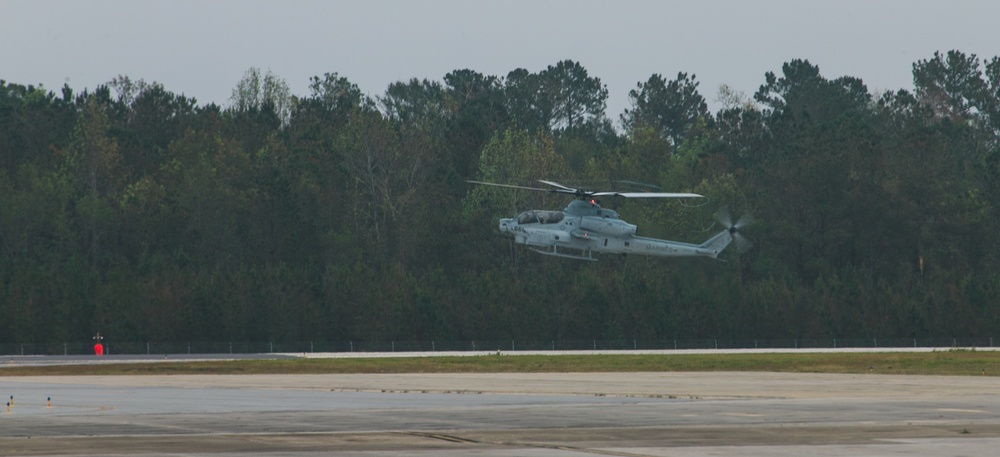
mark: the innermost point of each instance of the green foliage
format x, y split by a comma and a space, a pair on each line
263, 93
512, 156
137, 213
669, 109
575, 97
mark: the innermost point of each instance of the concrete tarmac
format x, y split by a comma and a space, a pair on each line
565, 414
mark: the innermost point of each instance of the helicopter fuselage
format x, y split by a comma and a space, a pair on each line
585, 228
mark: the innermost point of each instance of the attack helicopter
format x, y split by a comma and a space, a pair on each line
584, 227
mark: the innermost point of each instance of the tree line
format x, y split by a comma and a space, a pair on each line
334, 216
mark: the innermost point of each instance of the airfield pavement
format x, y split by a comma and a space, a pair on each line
532, 415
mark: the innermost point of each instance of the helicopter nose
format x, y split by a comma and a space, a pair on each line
505, 225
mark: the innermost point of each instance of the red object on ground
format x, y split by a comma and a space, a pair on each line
98, 349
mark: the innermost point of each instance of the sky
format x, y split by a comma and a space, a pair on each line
202, 48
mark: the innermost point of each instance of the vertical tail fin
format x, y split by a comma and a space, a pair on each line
714, 245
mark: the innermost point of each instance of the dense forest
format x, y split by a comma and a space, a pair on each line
336, 216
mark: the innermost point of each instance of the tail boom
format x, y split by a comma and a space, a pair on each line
663, 248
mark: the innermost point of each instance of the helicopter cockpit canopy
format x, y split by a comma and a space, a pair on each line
540, 217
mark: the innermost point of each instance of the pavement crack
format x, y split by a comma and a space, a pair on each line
442, 437
522, 445
582, 450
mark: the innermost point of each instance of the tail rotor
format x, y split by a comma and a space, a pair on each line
725, 218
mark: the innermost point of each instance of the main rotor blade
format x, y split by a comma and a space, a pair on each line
555, 184
561, 189
649, 194
622, 194
510, 186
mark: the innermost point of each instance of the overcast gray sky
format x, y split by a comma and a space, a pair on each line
201, 48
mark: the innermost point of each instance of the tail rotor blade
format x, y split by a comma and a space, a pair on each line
723, 217
744, 221
743, 244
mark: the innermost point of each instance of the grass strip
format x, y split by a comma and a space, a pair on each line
949, 363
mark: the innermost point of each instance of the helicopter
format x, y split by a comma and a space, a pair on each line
584, 228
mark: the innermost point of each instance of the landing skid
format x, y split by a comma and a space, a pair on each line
583, 255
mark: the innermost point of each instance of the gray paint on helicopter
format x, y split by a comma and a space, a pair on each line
584, 228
